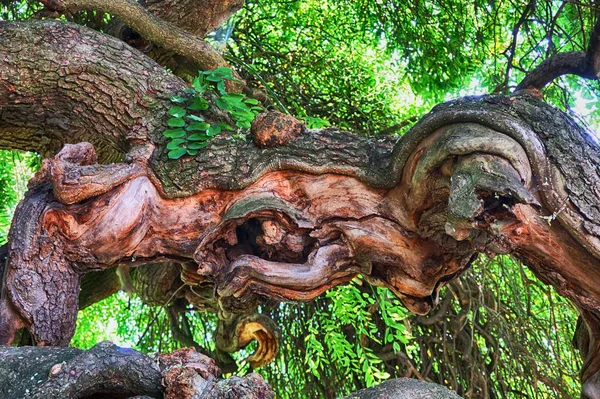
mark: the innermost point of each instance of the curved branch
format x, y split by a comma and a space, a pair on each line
585, 65
109, 371
60, 373
63, 83
151, 27
196, 16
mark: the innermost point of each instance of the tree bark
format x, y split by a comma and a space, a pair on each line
108, 371
284, 218
62, 83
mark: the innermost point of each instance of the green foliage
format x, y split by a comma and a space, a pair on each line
498, 332
368, 65
189, 131
128, 322
15, 10
16, 169
315, 122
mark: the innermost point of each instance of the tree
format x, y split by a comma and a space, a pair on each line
286, 215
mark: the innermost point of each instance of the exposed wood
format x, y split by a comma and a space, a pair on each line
161, 284
290, 235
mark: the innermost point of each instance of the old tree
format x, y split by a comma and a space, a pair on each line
147, 184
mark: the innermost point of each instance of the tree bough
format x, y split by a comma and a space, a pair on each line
492, 174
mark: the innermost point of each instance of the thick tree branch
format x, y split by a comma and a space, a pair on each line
108, 371
63, 83
288, 216
195, 16
151, 27
585, 65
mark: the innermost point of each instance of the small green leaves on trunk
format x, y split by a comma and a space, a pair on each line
189, 131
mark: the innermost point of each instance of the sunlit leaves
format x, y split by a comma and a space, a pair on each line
186, 139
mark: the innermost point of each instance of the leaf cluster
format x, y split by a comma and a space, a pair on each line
189, 132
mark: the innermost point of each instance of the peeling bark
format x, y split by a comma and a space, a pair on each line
472, 176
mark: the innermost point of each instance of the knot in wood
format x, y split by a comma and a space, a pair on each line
272, 129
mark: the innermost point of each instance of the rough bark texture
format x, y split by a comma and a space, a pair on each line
405, 388
176, 45
196, 16
108, 371
150, 26
62, 83
286, 216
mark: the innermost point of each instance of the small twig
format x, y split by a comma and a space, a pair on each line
158, 314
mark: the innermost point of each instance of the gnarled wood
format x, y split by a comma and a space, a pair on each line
494, 174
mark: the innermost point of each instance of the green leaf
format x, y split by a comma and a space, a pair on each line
200, 104
221, 87
226, 126
174, 133
195, 118
173, 144
233, 98
197, 146
242, 115
176, 122
214, 130
197, 126
243, 124
213, 78
177, 153
198, 137
192, 152
221, 72
189, 90
199, 84
176, 111
251, 101
224, 105
178, 99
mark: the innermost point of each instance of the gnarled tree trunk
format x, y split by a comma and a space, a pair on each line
281, 217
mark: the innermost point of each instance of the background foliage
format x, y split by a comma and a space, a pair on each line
374, 67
